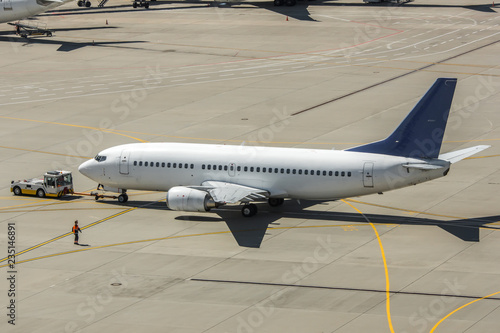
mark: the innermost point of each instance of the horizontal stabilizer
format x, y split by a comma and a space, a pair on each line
423, 166
459, 155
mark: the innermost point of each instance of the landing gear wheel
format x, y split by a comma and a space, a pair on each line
17, 190
278, 3
134, 4
88, 4
96, 197
275, 202
80, 3
249, 210
146, 5
40, 193
122, 198
49, 34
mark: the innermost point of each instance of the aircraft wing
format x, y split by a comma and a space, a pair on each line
231, 193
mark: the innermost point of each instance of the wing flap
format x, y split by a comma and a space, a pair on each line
223, 192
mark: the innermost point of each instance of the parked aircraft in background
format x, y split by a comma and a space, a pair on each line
199, 177
14, 10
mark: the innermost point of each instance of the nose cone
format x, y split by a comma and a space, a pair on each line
88, 169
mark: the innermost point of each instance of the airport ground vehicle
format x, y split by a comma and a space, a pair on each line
53, 184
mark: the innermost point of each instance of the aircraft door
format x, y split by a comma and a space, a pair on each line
232, 169
368, 174
124, 162
7, 5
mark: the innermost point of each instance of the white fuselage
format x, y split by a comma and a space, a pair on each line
13, 10
283, 172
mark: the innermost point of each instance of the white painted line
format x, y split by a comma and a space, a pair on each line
19, 97
74, 92
57, 89
76, 87
399, 54
178, 80
381, 57
256, 71
428, 47
47, 95
127, 86
275, 69
97, 84
202, 77
443, 42
230, 74
296, 67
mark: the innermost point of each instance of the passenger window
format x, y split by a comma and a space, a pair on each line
157, 164
336, 173
275, 170
180, 165
192, 166
174, 165
330, 173
238, 168
231, 167
162, 164
300, 171
152, 164
349, 174
220, 167
324, 173
225, 167
294, 171
257, 169
215, 167
251, 169
282, 170
209, 167
263, 169
245, 169
140, 163
168, 165
135, 163
145, 163
306, 172
203, 166
342, 174
270, 170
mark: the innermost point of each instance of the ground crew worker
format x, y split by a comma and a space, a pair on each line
75, 230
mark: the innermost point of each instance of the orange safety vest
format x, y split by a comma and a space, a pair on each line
75, 229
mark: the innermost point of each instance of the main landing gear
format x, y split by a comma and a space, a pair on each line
288, 3
84, 3
250, 210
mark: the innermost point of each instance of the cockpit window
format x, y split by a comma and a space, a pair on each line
100, 158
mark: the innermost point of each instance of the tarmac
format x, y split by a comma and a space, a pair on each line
319, 75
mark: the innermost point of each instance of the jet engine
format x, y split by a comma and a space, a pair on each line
189, 200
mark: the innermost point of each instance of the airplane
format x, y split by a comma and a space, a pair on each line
198, 177
14, 10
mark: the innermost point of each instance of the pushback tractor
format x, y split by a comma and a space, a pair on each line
54, 184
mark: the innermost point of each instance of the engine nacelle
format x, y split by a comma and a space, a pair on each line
189, 200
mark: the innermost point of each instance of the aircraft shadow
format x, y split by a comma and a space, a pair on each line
64, 46
250, 232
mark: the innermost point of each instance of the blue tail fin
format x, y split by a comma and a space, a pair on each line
420, 134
